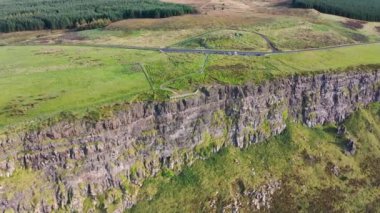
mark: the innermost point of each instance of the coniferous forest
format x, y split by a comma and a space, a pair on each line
368, 10
21, 15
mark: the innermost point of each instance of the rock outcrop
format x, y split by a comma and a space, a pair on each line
84, 158
350, 147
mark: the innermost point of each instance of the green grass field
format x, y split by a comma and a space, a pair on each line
239, 70
41, 81
300, 159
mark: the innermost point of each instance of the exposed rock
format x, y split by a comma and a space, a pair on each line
233, 207
333, 169
261, 198
87, 157
7, 167
350, 148
341, 130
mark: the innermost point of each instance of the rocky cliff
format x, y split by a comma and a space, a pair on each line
80, 158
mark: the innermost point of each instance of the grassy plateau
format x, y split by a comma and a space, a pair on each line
68, 58
42, 81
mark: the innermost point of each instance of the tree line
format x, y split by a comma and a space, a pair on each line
368, 10
24, 15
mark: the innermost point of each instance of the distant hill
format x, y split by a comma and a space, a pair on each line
24, 15
368, 10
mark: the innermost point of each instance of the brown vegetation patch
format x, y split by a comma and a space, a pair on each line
231, 67
185, 22
21, 105
357, 183
359, 37
72, 36
354, 24
371, 166
284, 199
50, 51
310, 159
325, 200
374, 206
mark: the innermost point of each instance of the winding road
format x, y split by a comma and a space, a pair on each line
252, 53
271, 45
204, 51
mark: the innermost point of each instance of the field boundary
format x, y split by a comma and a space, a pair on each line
146, 75
164, 87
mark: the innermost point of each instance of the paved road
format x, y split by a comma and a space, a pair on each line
213, 52
254, 53
203, 51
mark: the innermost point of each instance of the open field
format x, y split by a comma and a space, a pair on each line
239, 70
300, 159
52, 79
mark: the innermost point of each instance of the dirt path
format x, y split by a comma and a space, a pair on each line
176, 95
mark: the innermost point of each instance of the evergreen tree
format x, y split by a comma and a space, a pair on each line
49, 14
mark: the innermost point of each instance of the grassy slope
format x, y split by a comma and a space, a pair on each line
226, 40
301, 158
40, 81
296, 33
287, 32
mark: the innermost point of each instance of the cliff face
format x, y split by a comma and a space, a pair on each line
84, 158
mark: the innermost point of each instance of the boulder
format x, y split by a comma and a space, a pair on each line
341, 130
350, 148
